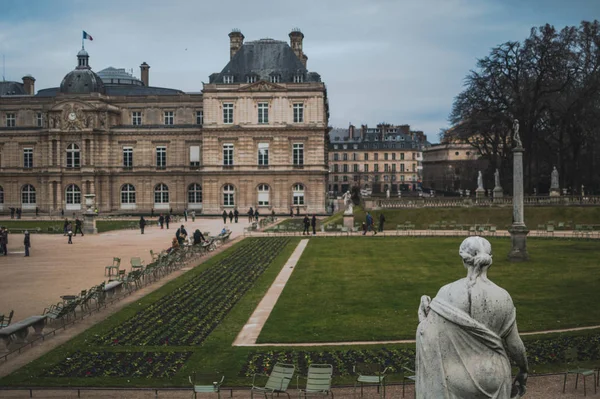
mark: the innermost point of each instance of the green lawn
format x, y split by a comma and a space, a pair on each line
368, 288
501, 217
56, 226
109, 225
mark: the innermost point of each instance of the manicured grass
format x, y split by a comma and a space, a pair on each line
57, 225
499, 216
109, 225
368, 288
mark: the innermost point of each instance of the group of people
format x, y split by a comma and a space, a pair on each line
369, 224
308, 223
68, 229
232, 215
19, 212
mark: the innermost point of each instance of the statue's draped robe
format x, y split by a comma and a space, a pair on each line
459, 357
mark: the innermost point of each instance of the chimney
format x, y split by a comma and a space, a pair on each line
29, 84
145, 73
296, 37
405, 129
236, 39
351, 131
363, 131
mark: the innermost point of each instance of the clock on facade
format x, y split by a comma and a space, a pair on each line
72, 116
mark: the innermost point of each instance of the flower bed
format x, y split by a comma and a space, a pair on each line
119, 364
539, 352
187, 315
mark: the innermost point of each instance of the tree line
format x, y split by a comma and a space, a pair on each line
550, 82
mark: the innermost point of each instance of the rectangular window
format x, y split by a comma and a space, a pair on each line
335, 178
401, 167
345, 168
298, 78
28, 157
263, 112
386, 167
227, 154
376, 156
299, 113
401, 177
335, 168
414, 156
393, 156
195, 155
11, 120
393, 167
136, 118
355, 177
366, 168
336, 157
345, 178
376, 167
402, 156
355, 168
385, 156
354, 157
414, 167
228, 113
161, 157
228, 79
39, 119
263, 154
366, 156
298, 154
128, 157
200, 117
169, 118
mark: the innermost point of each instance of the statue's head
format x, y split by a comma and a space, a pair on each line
476, 252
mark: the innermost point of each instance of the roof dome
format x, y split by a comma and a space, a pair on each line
82, 80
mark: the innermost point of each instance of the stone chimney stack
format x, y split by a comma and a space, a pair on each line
29, 84
145, 73
236, 40
296, 37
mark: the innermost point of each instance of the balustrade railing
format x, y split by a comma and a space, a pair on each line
451, 202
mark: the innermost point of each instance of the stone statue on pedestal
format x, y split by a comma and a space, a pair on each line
496, 178
467, 334
498, 194
479, 181
387, 193
348, 203
554, 188
516, 137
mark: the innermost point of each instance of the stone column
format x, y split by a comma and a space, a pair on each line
518, 231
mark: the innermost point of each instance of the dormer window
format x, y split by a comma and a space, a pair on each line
228, 79
275, 78
299, 78
251, 79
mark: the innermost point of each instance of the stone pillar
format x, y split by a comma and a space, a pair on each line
518, 231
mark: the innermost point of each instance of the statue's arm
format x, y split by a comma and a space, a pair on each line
516, 351
424, 307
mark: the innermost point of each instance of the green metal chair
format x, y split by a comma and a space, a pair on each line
115, 266
318, 381
571, 358
407, 374
215, 387
137, 263
370, 374
278, 381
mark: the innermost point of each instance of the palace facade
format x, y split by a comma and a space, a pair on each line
254, 137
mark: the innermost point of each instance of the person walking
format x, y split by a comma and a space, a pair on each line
65, 225
152, 212
256, 215
161, 221
250, 215
369, 224
37, 211
381, 222
291, 211
313, 223
224, 214
193, 216
185, 214
62, 212
70, 233
306, 222
167, 220
142, 224
78, 227
235, 215
230, 216
27, 242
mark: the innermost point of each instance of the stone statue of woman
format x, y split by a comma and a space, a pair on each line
554, 179
348, 203
497, 178
516, 136
467, 334
480, 181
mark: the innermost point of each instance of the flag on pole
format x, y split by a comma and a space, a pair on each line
87, 36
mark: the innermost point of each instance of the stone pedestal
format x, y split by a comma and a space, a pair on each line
89, 218
480, 193
498, 194
349, 221
518, 238
555, 192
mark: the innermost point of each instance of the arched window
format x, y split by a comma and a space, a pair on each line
73, 196
161, 194
195, 193
263, 195
127, 194
228, 195
298, 193
28, 195
73, 156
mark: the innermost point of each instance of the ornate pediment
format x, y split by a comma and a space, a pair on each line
262, 85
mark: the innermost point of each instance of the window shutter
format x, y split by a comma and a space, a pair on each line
195, 153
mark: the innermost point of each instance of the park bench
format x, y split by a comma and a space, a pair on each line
20, 329
113, 288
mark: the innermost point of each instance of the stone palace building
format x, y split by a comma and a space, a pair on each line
254, 137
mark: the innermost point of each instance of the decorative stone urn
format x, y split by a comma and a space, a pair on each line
89, 218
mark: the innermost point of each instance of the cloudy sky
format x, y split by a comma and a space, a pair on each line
394, 61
